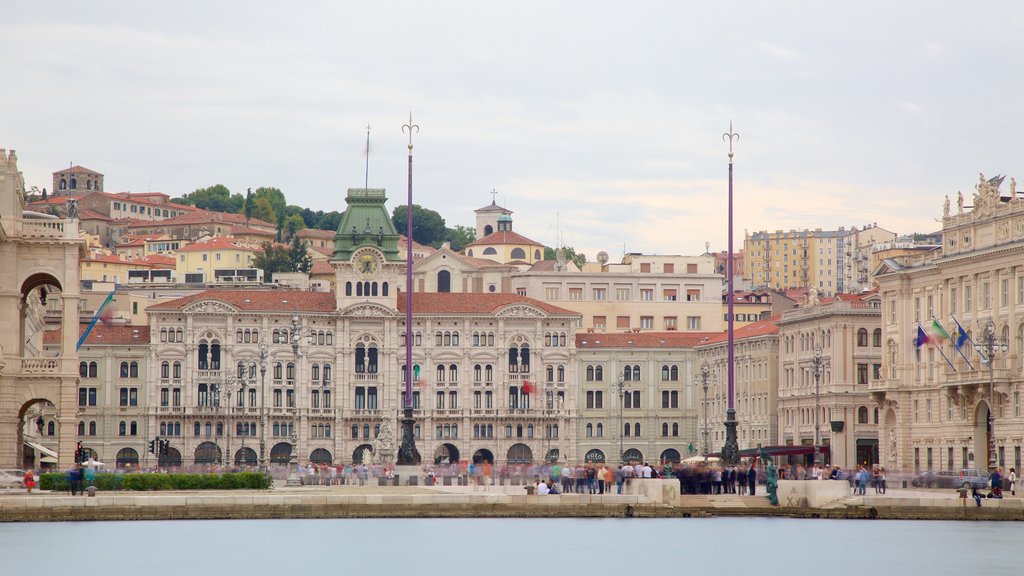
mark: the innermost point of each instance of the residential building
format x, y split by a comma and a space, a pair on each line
834, 384
208, 255
75, 180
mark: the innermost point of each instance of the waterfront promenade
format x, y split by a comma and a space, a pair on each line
646, 499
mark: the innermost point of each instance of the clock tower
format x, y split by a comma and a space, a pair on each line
367, 264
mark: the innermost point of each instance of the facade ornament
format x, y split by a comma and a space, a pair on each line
71, 208
369, 311
945, 207
208, 307
384, 444
521, 311
959, 202
1013, 188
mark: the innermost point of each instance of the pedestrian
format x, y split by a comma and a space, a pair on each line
1012, 478
963, 497
976, 495
752, 480
620, 477
29, 481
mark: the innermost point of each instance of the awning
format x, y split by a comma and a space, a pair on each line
41, 448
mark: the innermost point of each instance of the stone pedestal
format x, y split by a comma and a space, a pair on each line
407, 473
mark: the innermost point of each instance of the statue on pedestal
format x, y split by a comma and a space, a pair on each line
771, 477
384, 444
945, 207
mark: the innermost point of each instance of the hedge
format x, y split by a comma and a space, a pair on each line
109, 481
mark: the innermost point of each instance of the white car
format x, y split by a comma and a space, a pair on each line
11, 478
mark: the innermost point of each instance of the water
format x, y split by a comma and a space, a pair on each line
494, 547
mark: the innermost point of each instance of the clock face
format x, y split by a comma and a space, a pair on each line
366, 264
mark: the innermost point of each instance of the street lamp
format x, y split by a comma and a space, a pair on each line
990, 346
293, 459
702, 380
623, 388
263, 357
818, 365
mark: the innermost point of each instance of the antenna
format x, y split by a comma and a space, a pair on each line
366, 182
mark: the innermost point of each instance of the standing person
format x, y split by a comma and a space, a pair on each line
29, 481
996, 483
620, 477
1012, 478
601, 477
567, 478
752, 480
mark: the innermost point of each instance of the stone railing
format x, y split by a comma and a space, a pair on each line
40, 366
30, 228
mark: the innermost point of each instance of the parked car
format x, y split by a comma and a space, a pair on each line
11, 478
964, 477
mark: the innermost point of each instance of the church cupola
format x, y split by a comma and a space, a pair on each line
504, 223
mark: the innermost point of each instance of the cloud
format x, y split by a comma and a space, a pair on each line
779, 52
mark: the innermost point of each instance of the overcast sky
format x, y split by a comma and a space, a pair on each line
607, 114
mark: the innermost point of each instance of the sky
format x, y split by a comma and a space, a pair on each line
599, 121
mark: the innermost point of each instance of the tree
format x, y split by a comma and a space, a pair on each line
262, 210
273, 259
248, 205
293, 224
427, 226
298, 256
460, 236
570, 255
330, 221
216, 198
44, 193
274, 196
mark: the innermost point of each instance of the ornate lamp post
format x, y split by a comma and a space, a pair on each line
731, 450
293, 458
263, 359
408, 455
703, 379
990, 347
818, 364
622, 388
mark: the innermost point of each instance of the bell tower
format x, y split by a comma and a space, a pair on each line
367, 264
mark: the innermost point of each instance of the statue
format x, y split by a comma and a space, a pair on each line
959, 202
71, 208
384, 444
771, 476
945, 207
812, 296
1013, 188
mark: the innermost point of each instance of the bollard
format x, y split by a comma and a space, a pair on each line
413, 481
91, 490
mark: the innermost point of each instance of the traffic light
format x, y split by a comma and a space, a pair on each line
152, 446
165, 447
79, 454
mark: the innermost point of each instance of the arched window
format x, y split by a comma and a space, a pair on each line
176, 372
488, 229
197, 429
862, 337
92, 369
590, 373
636, 429
203, 355
444, 281
348, 288
536, 254
122, 428
518, 254
636, 373
599, 374
455, 338
627, 373
133, 428
453, 373
876, 338
674, 374
675, 429
862, 415
600, 430
490, 251
92, 428
83, 369
664, 428
590, 430
165, 369
550, 373
124, 370
372, 357
81, 428
561, 373
133, 370
664, 373
626, 429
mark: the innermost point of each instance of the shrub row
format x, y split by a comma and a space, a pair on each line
143, 482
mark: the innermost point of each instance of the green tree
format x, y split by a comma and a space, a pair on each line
298, 256
216, 198
579, 259
460, 236
330, 221
293, 224
274, 196
262, 210
273, 259
248, 205
427, 225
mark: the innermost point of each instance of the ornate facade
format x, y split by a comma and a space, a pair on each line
944, 407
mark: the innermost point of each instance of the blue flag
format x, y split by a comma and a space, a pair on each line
961, 336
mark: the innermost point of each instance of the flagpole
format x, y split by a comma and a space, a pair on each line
929, 340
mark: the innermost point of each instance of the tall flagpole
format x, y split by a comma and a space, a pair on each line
408, 455
731, 450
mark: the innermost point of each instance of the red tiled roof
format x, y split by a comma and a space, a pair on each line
257, 300
249, 230
317, 233
325, 251
321, 267
198, 216
77, 168
641, 339
214, 243
504, 237
147, 262
467, 303
90, 214
105, 334
752, 330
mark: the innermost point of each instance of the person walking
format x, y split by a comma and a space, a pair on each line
620, 478
1012, 479
29, 481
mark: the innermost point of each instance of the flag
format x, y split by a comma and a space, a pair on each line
940, 332
962, 335
527, 387
922, 337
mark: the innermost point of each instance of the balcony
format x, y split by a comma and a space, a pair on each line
170, 410
364, 413
208, 374
322, 412
44, 230
519, 376
40, 367
449, 413
364, 377
484, 412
